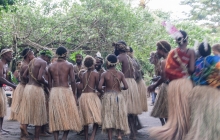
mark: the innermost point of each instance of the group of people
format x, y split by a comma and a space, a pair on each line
62, 97
188, 100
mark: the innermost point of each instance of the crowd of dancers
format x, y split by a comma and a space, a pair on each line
59, 96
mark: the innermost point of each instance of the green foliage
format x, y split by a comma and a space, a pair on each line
204, 10
73, 55
91, 26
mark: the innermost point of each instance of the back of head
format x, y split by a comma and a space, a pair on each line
216, 47
204, 49
111, 60
120, 46
46, 52
164, 46
25, 52
89, 61
61, 52
183, 39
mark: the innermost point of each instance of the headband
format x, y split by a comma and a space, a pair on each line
163, 46
110, 63
5, 51
26, 53
62, 56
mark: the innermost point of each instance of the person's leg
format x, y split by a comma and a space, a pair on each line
109, 134
56, 135
37, 132
162, 121
65, 134
95, 127
119, 135
24, 131
152, 98
131, 124
86, 127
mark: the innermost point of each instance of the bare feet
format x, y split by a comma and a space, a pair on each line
119, 138
24, 132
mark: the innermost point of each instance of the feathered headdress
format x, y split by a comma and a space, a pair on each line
172, 30
205, 44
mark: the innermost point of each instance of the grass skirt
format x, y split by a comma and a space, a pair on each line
17, 97
132, 97
90, 108
160, 109
13, 116
114, 112
177, 125
63, 112
142, 88
3, 103
33, 107
204, 104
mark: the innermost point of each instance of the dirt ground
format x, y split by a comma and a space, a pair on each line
145, 118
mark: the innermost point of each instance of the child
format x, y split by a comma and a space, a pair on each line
114, 109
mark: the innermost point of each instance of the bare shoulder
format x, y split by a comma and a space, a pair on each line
191, 51
120, 73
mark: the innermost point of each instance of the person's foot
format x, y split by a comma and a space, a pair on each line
45, 134
24, 133
5, 130
119, 138
3, 133
81, 133
152, 104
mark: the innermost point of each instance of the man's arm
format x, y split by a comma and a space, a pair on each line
41, 73
192, 61
73, 81
3, 79
49, 79
101, 82
160, 80
124, 82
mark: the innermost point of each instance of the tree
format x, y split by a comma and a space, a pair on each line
208, 10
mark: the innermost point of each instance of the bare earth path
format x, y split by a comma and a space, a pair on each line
146, 120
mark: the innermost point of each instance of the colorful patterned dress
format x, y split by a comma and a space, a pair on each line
207, 71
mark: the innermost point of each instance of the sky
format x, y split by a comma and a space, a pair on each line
167, 6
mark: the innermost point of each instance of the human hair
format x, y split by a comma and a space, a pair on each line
112, 58
120, 46
25, 52
204, 49
164, 46
183, 38
61, 52
89, 61
131, 50
79, 54
216, 47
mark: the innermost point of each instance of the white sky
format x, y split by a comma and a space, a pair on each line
167, 6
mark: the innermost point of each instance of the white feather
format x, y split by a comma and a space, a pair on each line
196, 45
98, 54
205, 44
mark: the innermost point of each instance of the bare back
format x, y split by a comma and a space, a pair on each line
36, 70
127, 66
90, 81
24, 67
59, 73
112, 79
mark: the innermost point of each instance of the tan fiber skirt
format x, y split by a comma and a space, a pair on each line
204, 102
33, 107
63, 112
132, 97
160, 109
114, 112
142, 90
90, 108
178, 122
3, 103
17, 97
